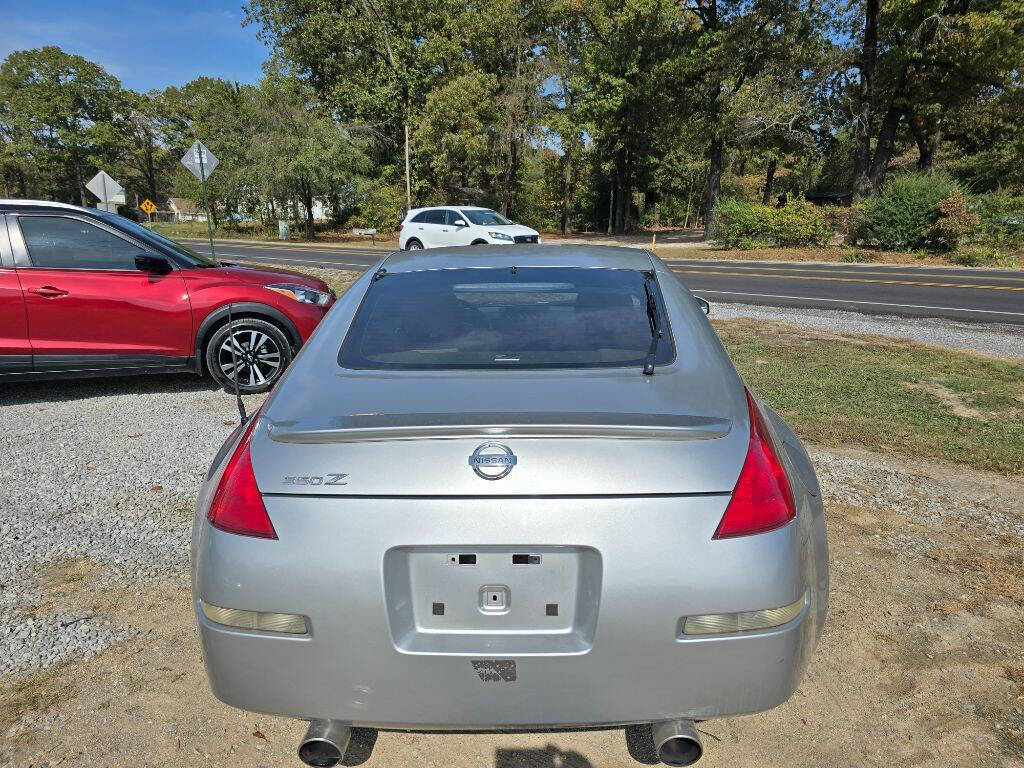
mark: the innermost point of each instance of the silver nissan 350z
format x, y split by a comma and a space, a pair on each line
511, 488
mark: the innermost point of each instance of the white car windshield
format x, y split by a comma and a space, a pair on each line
483, 217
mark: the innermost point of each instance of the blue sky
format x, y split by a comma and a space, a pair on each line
147, 43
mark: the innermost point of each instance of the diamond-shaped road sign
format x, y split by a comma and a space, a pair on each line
200, 160
104, 187
147, 206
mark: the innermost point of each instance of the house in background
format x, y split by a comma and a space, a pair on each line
185, 210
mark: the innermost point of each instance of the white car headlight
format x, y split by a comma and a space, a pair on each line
501, 236
301, 293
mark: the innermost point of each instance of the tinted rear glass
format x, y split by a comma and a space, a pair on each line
537, 317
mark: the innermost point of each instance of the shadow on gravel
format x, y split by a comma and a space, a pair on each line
549, 757
63, 390
360, 748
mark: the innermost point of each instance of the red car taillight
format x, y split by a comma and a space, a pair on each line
762, 500
237, 505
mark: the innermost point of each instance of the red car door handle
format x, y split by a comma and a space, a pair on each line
48, 291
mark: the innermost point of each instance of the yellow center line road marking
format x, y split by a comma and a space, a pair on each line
838, 271
927, 283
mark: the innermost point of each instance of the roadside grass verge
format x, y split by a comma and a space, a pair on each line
338, 279
887, 395
845, 254
254, 230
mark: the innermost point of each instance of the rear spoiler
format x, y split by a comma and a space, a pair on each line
361, 428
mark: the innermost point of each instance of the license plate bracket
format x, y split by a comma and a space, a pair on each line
530, 599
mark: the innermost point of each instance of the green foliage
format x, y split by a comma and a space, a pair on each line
742, 224
953, 223
985, 256
1001, 218
58, 116
382, 208
914, 210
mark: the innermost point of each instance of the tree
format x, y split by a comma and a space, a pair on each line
56, 112
298, 148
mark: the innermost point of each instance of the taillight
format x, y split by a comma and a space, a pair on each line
762, 500
237, 506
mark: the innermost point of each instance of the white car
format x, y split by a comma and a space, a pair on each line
460, 225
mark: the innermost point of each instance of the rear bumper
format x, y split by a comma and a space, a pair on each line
657, 563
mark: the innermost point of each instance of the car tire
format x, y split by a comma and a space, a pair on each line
413, 245
261, 368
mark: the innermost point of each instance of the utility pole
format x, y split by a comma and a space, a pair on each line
408, 175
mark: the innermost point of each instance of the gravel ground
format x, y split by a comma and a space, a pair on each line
997, 340
98, 484
104, 471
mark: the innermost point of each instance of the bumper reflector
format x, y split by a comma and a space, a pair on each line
744, 621
258, 620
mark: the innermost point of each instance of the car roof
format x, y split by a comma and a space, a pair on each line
452, 207
526, 255
17, 203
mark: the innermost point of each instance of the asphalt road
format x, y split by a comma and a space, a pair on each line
977, 295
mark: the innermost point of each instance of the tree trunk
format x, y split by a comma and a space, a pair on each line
717, 159
150, 167
306, 190
78, 177
869, 54
508, 198
622, 192
927, 141
612, 191
567, 177
769, 179
883, 149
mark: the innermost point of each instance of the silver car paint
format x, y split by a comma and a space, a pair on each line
627, 521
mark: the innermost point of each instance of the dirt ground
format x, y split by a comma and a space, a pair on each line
921, 662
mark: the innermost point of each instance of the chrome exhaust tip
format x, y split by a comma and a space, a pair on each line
677, 742
325, 743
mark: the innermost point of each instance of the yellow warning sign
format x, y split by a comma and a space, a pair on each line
148, 207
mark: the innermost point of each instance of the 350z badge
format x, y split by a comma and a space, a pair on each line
334, 478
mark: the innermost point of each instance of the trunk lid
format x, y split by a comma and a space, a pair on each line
588, 433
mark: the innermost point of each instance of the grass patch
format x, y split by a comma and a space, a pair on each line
886, 395
34, 694
254, 230
338, 279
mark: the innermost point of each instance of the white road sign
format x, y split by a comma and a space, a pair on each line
200, 160
105, 188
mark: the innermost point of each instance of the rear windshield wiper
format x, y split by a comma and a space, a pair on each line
652, 318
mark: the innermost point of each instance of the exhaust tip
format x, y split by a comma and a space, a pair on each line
677, 742
324, 744
680, 750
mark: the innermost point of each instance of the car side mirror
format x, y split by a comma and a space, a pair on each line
461, 223
704, 304
157, 265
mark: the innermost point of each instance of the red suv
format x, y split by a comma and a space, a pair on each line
89, 293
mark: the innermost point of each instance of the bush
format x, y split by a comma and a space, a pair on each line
988, 256
382, 209
741, 224
952, 225
914, 210
1001, 217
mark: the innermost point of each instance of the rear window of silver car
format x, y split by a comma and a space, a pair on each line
534, 317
